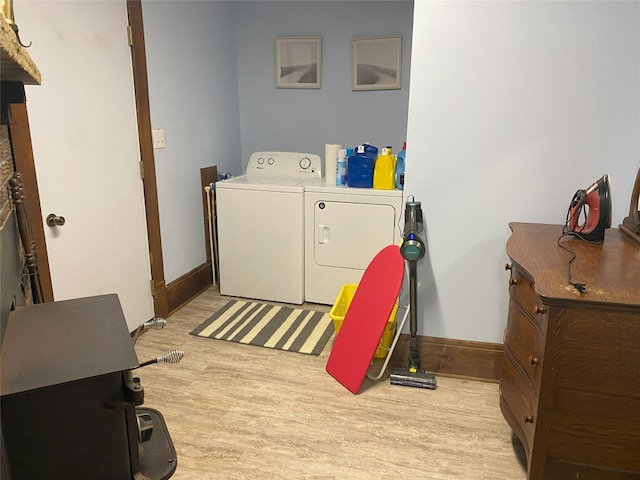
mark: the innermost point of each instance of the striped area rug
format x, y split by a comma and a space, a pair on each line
271, 326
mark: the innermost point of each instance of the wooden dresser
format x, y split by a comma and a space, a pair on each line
570, 386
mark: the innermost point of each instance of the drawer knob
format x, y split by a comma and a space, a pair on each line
507, 266
538, 309
513, 281
533, 361
528, 419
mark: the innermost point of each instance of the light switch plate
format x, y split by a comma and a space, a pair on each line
158, 137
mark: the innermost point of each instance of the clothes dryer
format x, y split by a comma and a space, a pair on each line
260, 226
345, 228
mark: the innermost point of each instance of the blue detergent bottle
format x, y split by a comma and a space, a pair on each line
370, 150
360, 169
399, 177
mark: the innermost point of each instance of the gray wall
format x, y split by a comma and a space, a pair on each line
513, 107
193, 93
305, 120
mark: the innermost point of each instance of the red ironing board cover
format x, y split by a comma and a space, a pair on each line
366, 318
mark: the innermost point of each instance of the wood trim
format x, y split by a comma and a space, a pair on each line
24, 162
141, 88
208, 175
455, 358
188, 286
631, 224
443, 356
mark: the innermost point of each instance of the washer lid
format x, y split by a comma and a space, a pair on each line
263, 183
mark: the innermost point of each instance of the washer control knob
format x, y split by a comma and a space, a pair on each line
305, 162
260, 161
271, 161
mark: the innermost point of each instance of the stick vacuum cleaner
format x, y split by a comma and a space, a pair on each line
413, 248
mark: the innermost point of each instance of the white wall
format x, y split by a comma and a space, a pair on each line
513, 107
193, 91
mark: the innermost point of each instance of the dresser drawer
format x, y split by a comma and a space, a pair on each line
525, 343
518, 397
521, 290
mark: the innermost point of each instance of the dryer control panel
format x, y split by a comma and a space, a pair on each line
285, 164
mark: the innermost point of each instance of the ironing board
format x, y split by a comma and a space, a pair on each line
366, 318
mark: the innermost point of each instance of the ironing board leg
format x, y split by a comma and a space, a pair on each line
393, 344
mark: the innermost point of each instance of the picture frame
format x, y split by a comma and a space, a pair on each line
377, 63
298, 61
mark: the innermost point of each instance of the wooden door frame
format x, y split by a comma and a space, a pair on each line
15, 109
148, 167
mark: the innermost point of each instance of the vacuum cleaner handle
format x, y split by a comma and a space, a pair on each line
413, 246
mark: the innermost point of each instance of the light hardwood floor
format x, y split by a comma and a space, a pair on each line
244, 412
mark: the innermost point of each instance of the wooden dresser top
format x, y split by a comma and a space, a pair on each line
610, 270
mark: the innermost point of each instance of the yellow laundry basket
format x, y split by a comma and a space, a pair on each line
339, 311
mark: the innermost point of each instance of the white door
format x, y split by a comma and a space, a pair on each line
85, 144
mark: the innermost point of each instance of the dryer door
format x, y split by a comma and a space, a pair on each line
349, 235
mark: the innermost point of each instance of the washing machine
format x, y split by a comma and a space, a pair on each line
345, 228
261, 226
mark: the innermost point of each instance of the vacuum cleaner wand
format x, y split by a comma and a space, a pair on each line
413, 248
414, 357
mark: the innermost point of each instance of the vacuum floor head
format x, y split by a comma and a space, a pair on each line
413, 379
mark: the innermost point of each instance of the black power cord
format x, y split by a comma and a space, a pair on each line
578, 206
581, 287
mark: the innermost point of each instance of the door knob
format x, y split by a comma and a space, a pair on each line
54, 220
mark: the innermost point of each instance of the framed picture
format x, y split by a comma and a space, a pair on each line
298, 62
377, 63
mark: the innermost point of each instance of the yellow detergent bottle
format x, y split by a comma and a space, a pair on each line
384, 170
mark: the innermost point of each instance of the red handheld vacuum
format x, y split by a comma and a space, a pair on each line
589, 213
